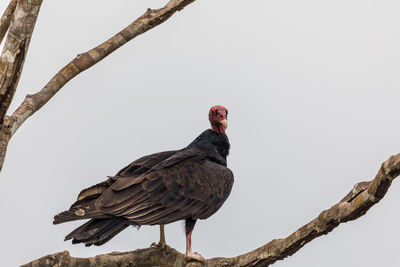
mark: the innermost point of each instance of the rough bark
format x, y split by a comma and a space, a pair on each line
137, 258
6, 18
355, 204
24, 14
15, 48
80, 63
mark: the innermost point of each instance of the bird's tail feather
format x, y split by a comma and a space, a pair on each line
81, 209
97, 231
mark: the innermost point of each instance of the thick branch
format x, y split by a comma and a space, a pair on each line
15, 48
139, 257
355, 204
12, 59
6, 18
82, 62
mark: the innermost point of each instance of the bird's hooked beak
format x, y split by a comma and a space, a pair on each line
224, 123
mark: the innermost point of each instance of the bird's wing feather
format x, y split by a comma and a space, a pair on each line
135, 168
145, 163
128, 180
193, 187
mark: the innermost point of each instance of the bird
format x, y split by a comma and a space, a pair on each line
187, 184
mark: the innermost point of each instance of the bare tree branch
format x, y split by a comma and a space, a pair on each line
80, 63
15, 48
355, 204
25, 13
6, 18
139, 257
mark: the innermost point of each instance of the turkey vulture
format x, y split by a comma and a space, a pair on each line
187, 184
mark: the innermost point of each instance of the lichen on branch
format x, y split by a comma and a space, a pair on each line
6, 18
16, 46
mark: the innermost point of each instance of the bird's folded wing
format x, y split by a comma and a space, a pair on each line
193, 187
123, 182
132, 170
145, 163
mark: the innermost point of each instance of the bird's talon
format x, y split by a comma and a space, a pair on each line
159, 245
193, 257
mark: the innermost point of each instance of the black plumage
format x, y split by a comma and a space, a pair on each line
187, 184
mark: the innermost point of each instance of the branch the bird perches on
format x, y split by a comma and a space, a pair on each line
355, 204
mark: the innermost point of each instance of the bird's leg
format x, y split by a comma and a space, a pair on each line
189, 244
189, 255
162, 244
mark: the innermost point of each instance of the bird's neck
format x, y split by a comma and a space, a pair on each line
215, 144
218, 128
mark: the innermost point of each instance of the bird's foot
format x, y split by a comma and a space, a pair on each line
160, 245
193, 257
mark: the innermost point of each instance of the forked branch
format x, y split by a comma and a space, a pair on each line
22, 15
355, 204
82, 62
15, 48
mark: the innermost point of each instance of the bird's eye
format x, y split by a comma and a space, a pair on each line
216, 112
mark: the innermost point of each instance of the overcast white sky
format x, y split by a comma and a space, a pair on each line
312, 89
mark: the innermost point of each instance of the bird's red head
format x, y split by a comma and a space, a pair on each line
218, 117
